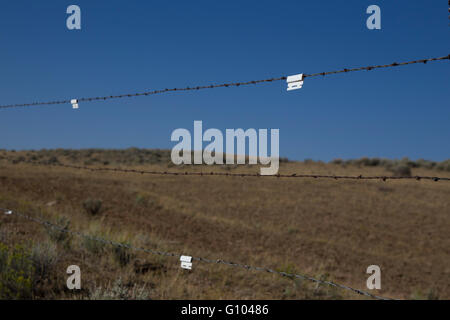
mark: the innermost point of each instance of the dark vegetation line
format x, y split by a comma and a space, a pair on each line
84, 159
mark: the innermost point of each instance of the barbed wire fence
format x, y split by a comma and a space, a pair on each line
228, 174
200, 259
186, 173
224, 85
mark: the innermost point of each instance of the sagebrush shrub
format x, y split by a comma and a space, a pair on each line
120, 291
444, 165
141, 200
59, 236
92, 206
401, 170
93, 246
44, 257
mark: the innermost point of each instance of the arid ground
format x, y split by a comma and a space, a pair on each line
328, 229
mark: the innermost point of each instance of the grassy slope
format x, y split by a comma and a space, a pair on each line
325, 228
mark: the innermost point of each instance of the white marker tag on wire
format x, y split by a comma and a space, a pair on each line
294, 82
8, 212
74, 103
186, 262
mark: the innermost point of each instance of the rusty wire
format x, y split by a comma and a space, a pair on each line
227, 174
226, 85
48, 224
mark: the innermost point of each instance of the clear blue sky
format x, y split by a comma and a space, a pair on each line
132, 46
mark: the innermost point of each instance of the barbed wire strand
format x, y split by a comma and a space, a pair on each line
230, 84
205, 260
227, 174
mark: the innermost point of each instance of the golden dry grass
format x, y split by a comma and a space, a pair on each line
330, 229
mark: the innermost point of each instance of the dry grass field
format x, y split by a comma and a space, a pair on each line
329, 229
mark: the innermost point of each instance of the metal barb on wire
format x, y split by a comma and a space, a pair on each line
227, 174
369, 68
230, 84
205, 260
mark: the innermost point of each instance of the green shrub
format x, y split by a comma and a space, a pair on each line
44, 258
141, 200
57, 235
16, 272
93, 246
429, 294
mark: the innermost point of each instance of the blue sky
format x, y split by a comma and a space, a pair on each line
133, 46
